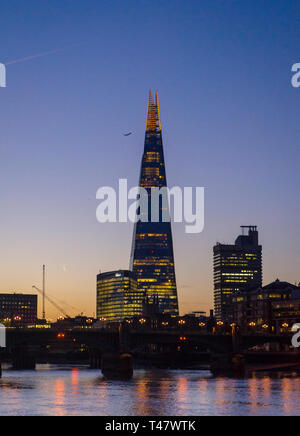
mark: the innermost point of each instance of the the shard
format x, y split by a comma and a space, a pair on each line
152, 258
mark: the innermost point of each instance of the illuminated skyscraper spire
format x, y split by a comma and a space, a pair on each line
152, 257
153, 115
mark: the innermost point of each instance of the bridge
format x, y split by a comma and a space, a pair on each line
139, 339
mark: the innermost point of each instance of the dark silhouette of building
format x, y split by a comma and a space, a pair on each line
118, 296
18, 309
273, 308
152, 258
236, 267
77, 321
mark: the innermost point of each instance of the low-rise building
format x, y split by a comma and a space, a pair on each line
273, 308
18, 309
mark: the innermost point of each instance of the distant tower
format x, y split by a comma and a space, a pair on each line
237, 267
44, 293
152, 258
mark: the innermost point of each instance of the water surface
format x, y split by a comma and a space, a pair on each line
65, 390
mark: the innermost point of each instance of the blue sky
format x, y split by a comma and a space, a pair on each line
230, 122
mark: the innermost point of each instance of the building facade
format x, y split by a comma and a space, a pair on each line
237, 267
118, 296
152, 258
273, 308
19, 309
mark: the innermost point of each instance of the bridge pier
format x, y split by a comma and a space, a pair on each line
95, 358
118, 365
229, 364
124, 337
22, 359
236, 339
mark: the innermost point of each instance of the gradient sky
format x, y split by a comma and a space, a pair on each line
230, 122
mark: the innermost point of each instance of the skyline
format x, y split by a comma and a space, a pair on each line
62, 137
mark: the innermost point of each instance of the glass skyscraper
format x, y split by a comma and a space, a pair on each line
118, 296
237, 267
152, 258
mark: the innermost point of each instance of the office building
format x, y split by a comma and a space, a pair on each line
237, 267
20, 309
273, 308
118, 296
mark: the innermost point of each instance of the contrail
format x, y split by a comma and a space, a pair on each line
39, 55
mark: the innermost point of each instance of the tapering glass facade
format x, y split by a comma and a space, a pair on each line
152, 258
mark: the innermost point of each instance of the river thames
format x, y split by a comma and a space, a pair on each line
67, 390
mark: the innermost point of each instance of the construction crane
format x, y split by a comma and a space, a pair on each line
51, 301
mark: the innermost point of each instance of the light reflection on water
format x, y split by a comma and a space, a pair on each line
61, 390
